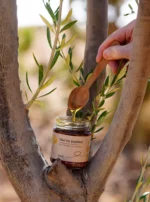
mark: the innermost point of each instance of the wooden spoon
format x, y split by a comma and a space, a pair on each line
80, 95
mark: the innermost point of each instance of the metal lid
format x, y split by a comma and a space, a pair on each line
67, 123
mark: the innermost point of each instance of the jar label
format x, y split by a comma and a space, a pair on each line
71, 148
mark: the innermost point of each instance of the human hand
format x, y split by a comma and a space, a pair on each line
123, 51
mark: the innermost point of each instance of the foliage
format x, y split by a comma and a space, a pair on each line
139, 193
57, 28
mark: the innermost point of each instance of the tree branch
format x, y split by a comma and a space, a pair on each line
19, 152
64, 182
126, 115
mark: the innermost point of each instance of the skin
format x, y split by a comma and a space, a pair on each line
122, 51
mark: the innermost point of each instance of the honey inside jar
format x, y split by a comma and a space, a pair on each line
71, 142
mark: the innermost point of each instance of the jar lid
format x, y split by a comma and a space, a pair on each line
67, 123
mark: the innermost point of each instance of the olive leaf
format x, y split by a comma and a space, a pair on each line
27, 81
66, 20
47, 23
49, 82
49, 37
48, 93
70, 24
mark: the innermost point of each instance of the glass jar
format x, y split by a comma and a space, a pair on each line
71, 142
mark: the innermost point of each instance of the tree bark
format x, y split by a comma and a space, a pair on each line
32, 178
127, 112
19, 152
96, 33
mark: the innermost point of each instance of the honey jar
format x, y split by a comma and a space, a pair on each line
71, 142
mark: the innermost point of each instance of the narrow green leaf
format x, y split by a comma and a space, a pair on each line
99, 130
126, 14
101, 103
106, 81
76, 83
27, 81
80, 68
41, 73
49, 82
47, 23
36, 60
50, 11
102, 115
57, 13
122, 73
48, 93
110, 94
67, 43
63, 40
67, 18
55, 59
70, 24
130, 7
114, 80
49, 37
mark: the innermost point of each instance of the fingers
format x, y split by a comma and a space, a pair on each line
116, 65
122, 35
118, 35
118, 52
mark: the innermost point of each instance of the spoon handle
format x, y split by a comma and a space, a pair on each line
98, 69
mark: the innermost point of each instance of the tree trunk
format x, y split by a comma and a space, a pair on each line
20, 155
96, 33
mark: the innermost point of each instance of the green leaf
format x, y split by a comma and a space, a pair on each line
27, 81
49, 37
57, 13
103, 114
50, 11
114, 80
55, 59
101, 103
36, 60
47, 23
63, 40
40, 69
48, 93
76, 83
130, 7
107, 81
67, 17
80, 68
67, 43
41, 73
110, 94
144, 195
70, 24
99, 129
122, 73
49, 82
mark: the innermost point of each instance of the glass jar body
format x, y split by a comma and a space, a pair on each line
71, 142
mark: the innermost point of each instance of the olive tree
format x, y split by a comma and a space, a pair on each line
20, 155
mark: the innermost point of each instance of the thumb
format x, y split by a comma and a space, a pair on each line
118, 52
